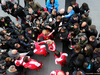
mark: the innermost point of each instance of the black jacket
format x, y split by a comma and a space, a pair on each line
11, 42
90, 33
93, 44
18, 12
6, 22
22, 49
8, 5
32, 36
96, 66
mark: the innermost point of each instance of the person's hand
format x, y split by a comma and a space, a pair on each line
61, 38
53, 31
9, 33
67, 73
92, 60
6, 9
38, 28
35, 15
3, 27
31, 43
34, 41
10, 22
98, 70
83, 30
3, 67
38, 42
0, 53
29, 2
51, 7
48, 27
26, 22
88, 11
12, 60
78, 69
3, 43
32, 47
0, 44
63, 16
73, 5
43, 24
59, 28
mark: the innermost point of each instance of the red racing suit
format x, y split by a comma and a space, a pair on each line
32, 64
40, 49
61, 59
19, 62
51, 47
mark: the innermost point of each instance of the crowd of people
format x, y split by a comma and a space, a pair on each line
37, 32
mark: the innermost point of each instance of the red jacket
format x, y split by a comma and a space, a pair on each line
32, 64
19, 62
40, 49
45, 37
51, 47
61, 58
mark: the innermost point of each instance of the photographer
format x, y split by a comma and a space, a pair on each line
84, 27
50, 25
63, 33
7, 6
81, 39
18, 12
18, 29
38, 25
75, 28
31, 13
28, 22
92, 31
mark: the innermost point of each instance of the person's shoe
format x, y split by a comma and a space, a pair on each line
37, 68
41, 65
46, 54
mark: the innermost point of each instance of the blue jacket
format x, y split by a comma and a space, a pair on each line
48, 5
70, 14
